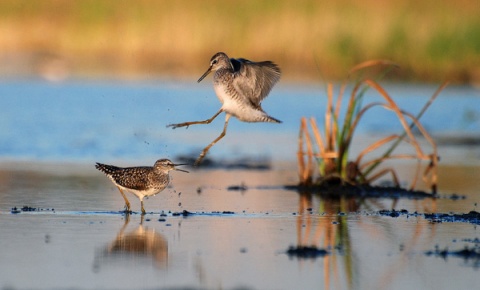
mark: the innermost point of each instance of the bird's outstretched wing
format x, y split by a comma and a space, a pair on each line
254, 80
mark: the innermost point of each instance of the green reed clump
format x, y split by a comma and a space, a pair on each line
332, 148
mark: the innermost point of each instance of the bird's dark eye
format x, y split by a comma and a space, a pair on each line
214, 61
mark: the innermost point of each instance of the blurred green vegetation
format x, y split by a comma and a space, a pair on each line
309, 39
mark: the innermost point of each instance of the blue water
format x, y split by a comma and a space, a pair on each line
86, 120
69, 244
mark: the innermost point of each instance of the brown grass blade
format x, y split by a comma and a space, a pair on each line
425, 107
355, 122
384, 158
308, 141
300, 152
338, 104
374, 146
423, 132
382, 173
370, 63
432, 157
318, 137
328, 155
328, 118
432, 98
344, 142
415, 176
398, 112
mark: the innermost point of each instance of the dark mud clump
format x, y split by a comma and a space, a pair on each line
396, 213
226, 212
347, 190
470, 255
25, 208
472, 217
244, 163
241, 187
306, 252
186, 213
183, 213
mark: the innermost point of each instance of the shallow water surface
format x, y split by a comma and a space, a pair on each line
242, 223
77, 238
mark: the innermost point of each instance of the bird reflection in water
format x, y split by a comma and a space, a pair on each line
140, 243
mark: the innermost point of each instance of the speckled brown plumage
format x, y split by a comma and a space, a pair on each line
141, 181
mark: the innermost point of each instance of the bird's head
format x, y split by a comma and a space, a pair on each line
219, 60
167, 165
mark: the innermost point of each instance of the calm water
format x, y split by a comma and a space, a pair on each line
53, 133
92, 121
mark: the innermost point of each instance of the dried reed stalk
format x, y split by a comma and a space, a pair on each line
334, 146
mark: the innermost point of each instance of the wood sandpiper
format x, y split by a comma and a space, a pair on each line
141, 181
240, 85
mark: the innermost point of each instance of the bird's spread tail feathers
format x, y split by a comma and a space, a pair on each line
271, 119
107, 169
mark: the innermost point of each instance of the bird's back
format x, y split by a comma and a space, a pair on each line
136, 178
254, 80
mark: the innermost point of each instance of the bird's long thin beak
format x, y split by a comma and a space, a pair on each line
178, 169
205, 74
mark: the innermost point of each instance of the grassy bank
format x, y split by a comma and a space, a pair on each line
430, 40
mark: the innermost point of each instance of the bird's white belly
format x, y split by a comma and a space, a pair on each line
220, 92
237, 108
142, 194
229, 105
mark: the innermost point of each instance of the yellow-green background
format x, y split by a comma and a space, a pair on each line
431, 40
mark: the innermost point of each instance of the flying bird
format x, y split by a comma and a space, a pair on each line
240, 85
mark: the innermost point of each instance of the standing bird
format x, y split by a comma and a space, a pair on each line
141, 181
240, 85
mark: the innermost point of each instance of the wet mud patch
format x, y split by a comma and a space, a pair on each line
306, 252
470, 255
163, 214
397, 213
367, 191
244, 163
350, 191
186, 213
15, 210
472, 217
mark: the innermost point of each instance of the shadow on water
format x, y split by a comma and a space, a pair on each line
141, 243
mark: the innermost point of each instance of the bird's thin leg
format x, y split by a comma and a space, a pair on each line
141, 204
127, 203
208, 121
205, 150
